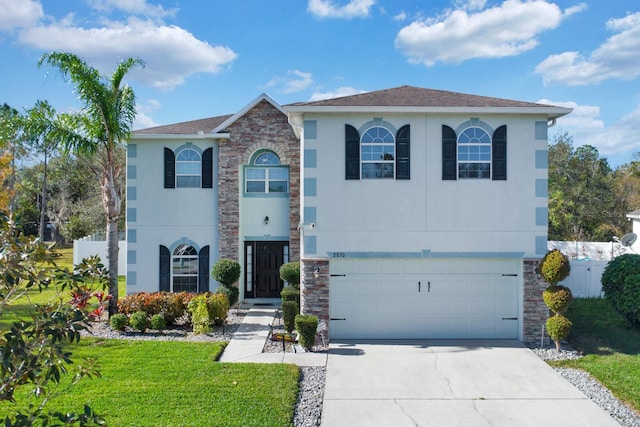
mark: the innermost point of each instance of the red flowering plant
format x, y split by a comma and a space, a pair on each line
89, 282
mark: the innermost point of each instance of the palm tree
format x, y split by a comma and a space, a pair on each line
96, 132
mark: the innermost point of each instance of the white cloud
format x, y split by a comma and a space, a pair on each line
471, 4
400, 16
295, 81
500, 31
616, 58
19, 14
171, 53
353, 9
143, 118
135, 7
586, 128
341, 91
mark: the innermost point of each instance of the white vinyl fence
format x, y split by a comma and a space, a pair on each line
86, 247
588, 260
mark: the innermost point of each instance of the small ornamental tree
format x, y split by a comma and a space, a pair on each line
555, 267
227, 272
290, 273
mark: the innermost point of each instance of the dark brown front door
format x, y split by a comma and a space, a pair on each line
263, 261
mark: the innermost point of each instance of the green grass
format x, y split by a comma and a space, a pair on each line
611, 346
170, 383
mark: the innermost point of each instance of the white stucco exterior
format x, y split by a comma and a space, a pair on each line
425, 213
162, 216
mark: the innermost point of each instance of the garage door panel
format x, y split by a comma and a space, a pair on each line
408, 299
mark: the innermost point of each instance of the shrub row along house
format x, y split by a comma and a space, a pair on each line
416, 213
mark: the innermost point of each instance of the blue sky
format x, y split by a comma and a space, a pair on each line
206, 58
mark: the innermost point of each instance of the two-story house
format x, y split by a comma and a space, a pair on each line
416, 213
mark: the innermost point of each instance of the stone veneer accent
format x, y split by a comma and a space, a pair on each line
264, 126
314, 292
535, 312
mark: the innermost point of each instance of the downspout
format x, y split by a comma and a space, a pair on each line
551, 123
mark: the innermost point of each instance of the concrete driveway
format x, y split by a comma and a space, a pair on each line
449, 383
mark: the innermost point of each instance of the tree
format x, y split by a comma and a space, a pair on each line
10, 149
34, 351
581, 202
39, 129
103, 125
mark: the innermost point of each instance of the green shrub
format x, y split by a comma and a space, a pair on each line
290, 273
158, 323
218, 307
289, 311
306, 325
290, 293
558, 327
555, 266
139, 321
168, 304
226, 271
557, 298
200, 318
118, 322
621, 285
231, 293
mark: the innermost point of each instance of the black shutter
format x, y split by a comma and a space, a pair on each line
165, 269
403, 149
449, 153
352, 152
203, 270
499, 154
169, 168
207, 168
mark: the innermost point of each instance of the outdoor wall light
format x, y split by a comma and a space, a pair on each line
316, 272
266, 220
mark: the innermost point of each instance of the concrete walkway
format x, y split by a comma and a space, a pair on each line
248, 341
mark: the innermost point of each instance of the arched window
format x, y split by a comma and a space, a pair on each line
474, 153
188, 168
184, 269
377, 153
265, 174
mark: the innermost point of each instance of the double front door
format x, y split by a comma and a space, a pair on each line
262, 268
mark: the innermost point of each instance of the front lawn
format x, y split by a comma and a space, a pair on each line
611, 346
170, 383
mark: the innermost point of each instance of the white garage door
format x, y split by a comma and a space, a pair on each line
418, 298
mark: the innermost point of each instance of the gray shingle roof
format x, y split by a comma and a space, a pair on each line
185, 128
411, 96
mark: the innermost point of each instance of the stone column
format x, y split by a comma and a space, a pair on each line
314, 288
535, 311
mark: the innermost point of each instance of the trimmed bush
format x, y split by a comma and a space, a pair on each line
558, 328
290, 273
289, 311
621, 285
218, 306
158, 323
555, 266
226, 272
557, 298
306, 325
290, 293
139, 321
170, 305
200, 315
118, 322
